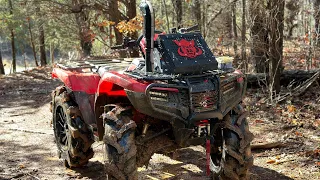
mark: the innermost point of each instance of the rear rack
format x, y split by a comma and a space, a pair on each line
94, 65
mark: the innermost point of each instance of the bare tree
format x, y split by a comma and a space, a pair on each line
316, 6
177, 4
243, 36
259, 36
234, 28
14, 64
82, 20
276, 27
196, 8
1, 64
42, 49
132, 13
32, 43
293, 7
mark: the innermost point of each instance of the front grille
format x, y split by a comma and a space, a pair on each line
229, 90
204, 101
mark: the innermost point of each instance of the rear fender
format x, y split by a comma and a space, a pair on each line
81, 82
83, 87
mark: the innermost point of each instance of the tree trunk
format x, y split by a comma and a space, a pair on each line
14, 64
132, 13
42, 49
196, 8
276, 27
32, 44
177, 4
1, 64
52, 53
166, 13
227, 16
259, 35
243, 37
234, 29
115, 16
316, 15
82, 20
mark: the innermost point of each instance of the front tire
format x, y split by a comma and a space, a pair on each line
231, 158
72, 136
120, 148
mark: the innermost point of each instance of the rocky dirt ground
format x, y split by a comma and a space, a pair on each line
27, 149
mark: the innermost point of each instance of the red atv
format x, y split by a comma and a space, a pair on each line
175, 96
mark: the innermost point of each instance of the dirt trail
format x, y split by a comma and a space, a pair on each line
28, 151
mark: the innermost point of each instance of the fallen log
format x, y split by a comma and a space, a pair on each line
287, 76
267, 145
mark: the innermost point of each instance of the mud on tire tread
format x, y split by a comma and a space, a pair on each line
120, 148
236, 156
78, 150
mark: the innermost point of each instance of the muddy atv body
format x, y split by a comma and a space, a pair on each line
175, 95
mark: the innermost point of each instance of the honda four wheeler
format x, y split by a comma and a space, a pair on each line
175, 96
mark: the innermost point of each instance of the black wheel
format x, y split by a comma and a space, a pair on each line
72, 136
120, 148
231, 156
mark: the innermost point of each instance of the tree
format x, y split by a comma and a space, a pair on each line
132, 13
177, 4
42, 49
316, 15
115, 16
293, 7
243, 36
234, 29
276, 27
14, 63
259, 36
196, 8
83, 22
32, 42
1, 64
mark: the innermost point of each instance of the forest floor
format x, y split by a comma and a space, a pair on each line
28, 151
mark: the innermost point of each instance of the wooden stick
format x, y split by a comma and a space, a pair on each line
267, 145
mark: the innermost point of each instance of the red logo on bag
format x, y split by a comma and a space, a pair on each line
187, 48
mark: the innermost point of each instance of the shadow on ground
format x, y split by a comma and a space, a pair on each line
30, 89
190, 163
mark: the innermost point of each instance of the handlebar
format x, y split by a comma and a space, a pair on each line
117, 47
189, 29
127, 43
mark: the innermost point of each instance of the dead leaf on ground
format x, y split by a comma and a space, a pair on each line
22, 166
291, 108
316, 123
271, 161
259, 121
298, 133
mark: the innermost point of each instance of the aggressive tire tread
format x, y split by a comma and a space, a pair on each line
120, 147
79, 141
237, 158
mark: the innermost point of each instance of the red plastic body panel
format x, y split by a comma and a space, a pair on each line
111, 83
110, 79
83, 82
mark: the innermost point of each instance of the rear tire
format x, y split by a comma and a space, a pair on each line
231, 158
120, 148
72, 136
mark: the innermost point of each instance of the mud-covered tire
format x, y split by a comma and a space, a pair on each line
120, 148
71, 134
234, 159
